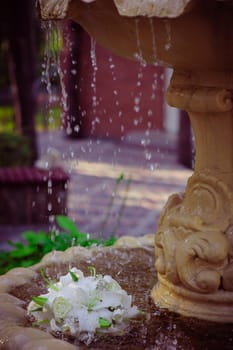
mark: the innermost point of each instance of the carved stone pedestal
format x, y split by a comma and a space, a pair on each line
194, 242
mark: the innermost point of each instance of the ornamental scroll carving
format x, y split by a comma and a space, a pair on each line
194, 242
53, 8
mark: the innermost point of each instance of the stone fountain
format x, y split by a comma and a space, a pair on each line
194, 241
193, 245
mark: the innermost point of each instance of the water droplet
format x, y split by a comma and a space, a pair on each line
150, 113
167, 46
68, 130
148, 155
49, 183
77, 128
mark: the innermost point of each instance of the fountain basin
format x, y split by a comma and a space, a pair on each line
156, 329
196, 37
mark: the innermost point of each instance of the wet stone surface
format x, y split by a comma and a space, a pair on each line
156, 329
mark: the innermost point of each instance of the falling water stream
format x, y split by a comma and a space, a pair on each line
76, 157
52, 66
154, 49
168, 32
94, 84
70, 156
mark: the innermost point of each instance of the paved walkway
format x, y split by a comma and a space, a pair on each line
116, 187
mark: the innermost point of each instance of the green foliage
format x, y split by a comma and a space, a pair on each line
45, 120
14, 150
6, 119
49, 119
103, 323
37, 244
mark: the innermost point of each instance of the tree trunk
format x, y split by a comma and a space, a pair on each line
22, 62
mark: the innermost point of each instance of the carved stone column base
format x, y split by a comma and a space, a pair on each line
194, 239
213, 307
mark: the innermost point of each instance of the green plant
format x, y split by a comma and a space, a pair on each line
114, 228
6, 118
43, 120
37, 244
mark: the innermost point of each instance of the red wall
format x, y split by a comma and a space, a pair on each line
129, 96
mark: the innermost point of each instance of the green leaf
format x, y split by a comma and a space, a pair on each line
82, 238
35, 238
91, 242
40, 322
61, 241
92, 270
120, 178
74, 277
22, 252
109, 241
16, 244
103, 323
67, 224
49, 283
37, 309
28, 262
40, 300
